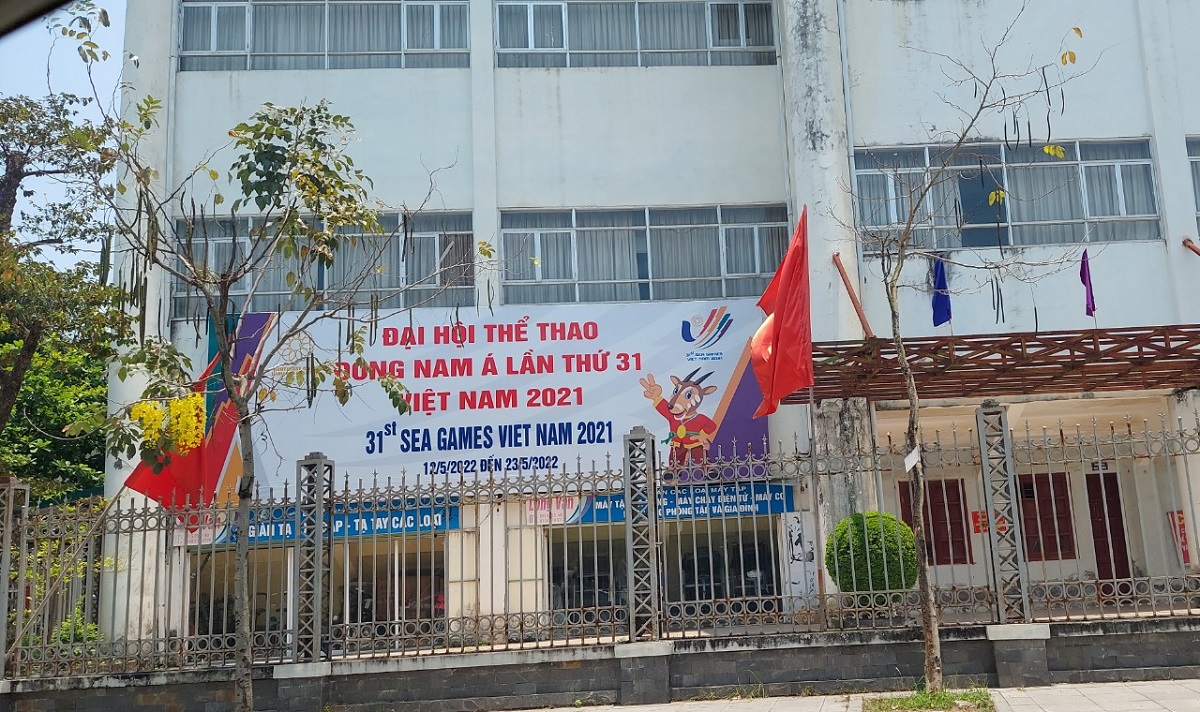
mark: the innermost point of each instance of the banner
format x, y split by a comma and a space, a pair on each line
522, 388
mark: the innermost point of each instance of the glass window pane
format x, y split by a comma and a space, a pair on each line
535, 221
758, 25
772, 242
513, 26
1196, 183
1051, 234
197, 30
1102, 190
602, 26
289, 28
420, 27
740, 251
364, 28
455, 26
685, 252
547, 27
1117, 230
684, 216
556, 255
231, 29
1044, 193
1114, 150
1137, 181
885, 158
872, 199
726, 25
760, 214
673, 25
610, 218
967, 198
420, 259
518, 256
610, 254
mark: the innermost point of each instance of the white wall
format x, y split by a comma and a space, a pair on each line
409, 122
639, 136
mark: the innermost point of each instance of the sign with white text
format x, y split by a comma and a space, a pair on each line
523, 388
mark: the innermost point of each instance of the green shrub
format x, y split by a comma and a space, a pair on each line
872, 551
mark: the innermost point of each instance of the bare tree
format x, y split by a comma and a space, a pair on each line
928, 213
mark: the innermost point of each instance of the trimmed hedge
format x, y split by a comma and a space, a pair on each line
872, 551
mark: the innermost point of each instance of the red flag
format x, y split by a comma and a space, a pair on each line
781, 350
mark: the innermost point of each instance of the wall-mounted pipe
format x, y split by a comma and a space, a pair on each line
1187, 242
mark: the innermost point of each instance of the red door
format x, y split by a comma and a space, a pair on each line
1108, 526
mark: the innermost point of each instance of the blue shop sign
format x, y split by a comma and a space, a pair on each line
279, 524
740, 499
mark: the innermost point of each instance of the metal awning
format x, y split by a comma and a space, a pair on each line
994, 365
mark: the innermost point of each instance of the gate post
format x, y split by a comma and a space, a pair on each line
314, 484
1004, 521
14, 508
641, 534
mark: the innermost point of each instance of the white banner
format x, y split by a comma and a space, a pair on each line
525, 388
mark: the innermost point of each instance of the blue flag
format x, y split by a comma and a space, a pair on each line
941, 294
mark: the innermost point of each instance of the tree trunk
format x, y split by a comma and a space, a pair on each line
925, 589
10, 381
242, 682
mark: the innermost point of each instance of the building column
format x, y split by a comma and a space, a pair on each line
1185, 416
818, 137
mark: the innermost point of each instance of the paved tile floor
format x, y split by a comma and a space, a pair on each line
1163, 696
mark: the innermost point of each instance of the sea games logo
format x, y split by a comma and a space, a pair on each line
703, 332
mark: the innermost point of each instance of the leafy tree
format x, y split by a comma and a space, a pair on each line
64, 385
43, 140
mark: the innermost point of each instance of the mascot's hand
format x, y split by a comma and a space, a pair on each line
705, 438
652, 390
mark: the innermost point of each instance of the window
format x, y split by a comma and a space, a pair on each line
991, 195
1193, 149
322, 34
948, 541
631, 34
430, 262
641, 254
1046, 522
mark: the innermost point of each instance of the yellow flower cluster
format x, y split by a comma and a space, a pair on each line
149, 415
182, 421
186, 416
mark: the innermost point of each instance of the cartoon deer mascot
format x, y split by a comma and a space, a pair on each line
691, 431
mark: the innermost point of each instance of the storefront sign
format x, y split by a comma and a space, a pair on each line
520, 389
281, 523
743, 499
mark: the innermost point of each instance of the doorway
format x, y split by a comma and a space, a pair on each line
1108, 526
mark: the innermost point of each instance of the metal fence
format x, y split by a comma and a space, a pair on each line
1025, 526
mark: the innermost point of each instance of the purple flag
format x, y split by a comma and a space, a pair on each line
1085, 276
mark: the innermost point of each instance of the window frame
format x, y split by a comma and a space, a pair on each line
1193, 152
932, 234
403, 291
405, 53
572, 57
644, 282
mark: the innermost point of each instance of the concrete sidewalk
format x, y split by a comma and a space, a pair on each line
1166, 695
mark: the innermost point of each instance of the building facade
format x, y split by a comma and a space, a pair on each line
636, 163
